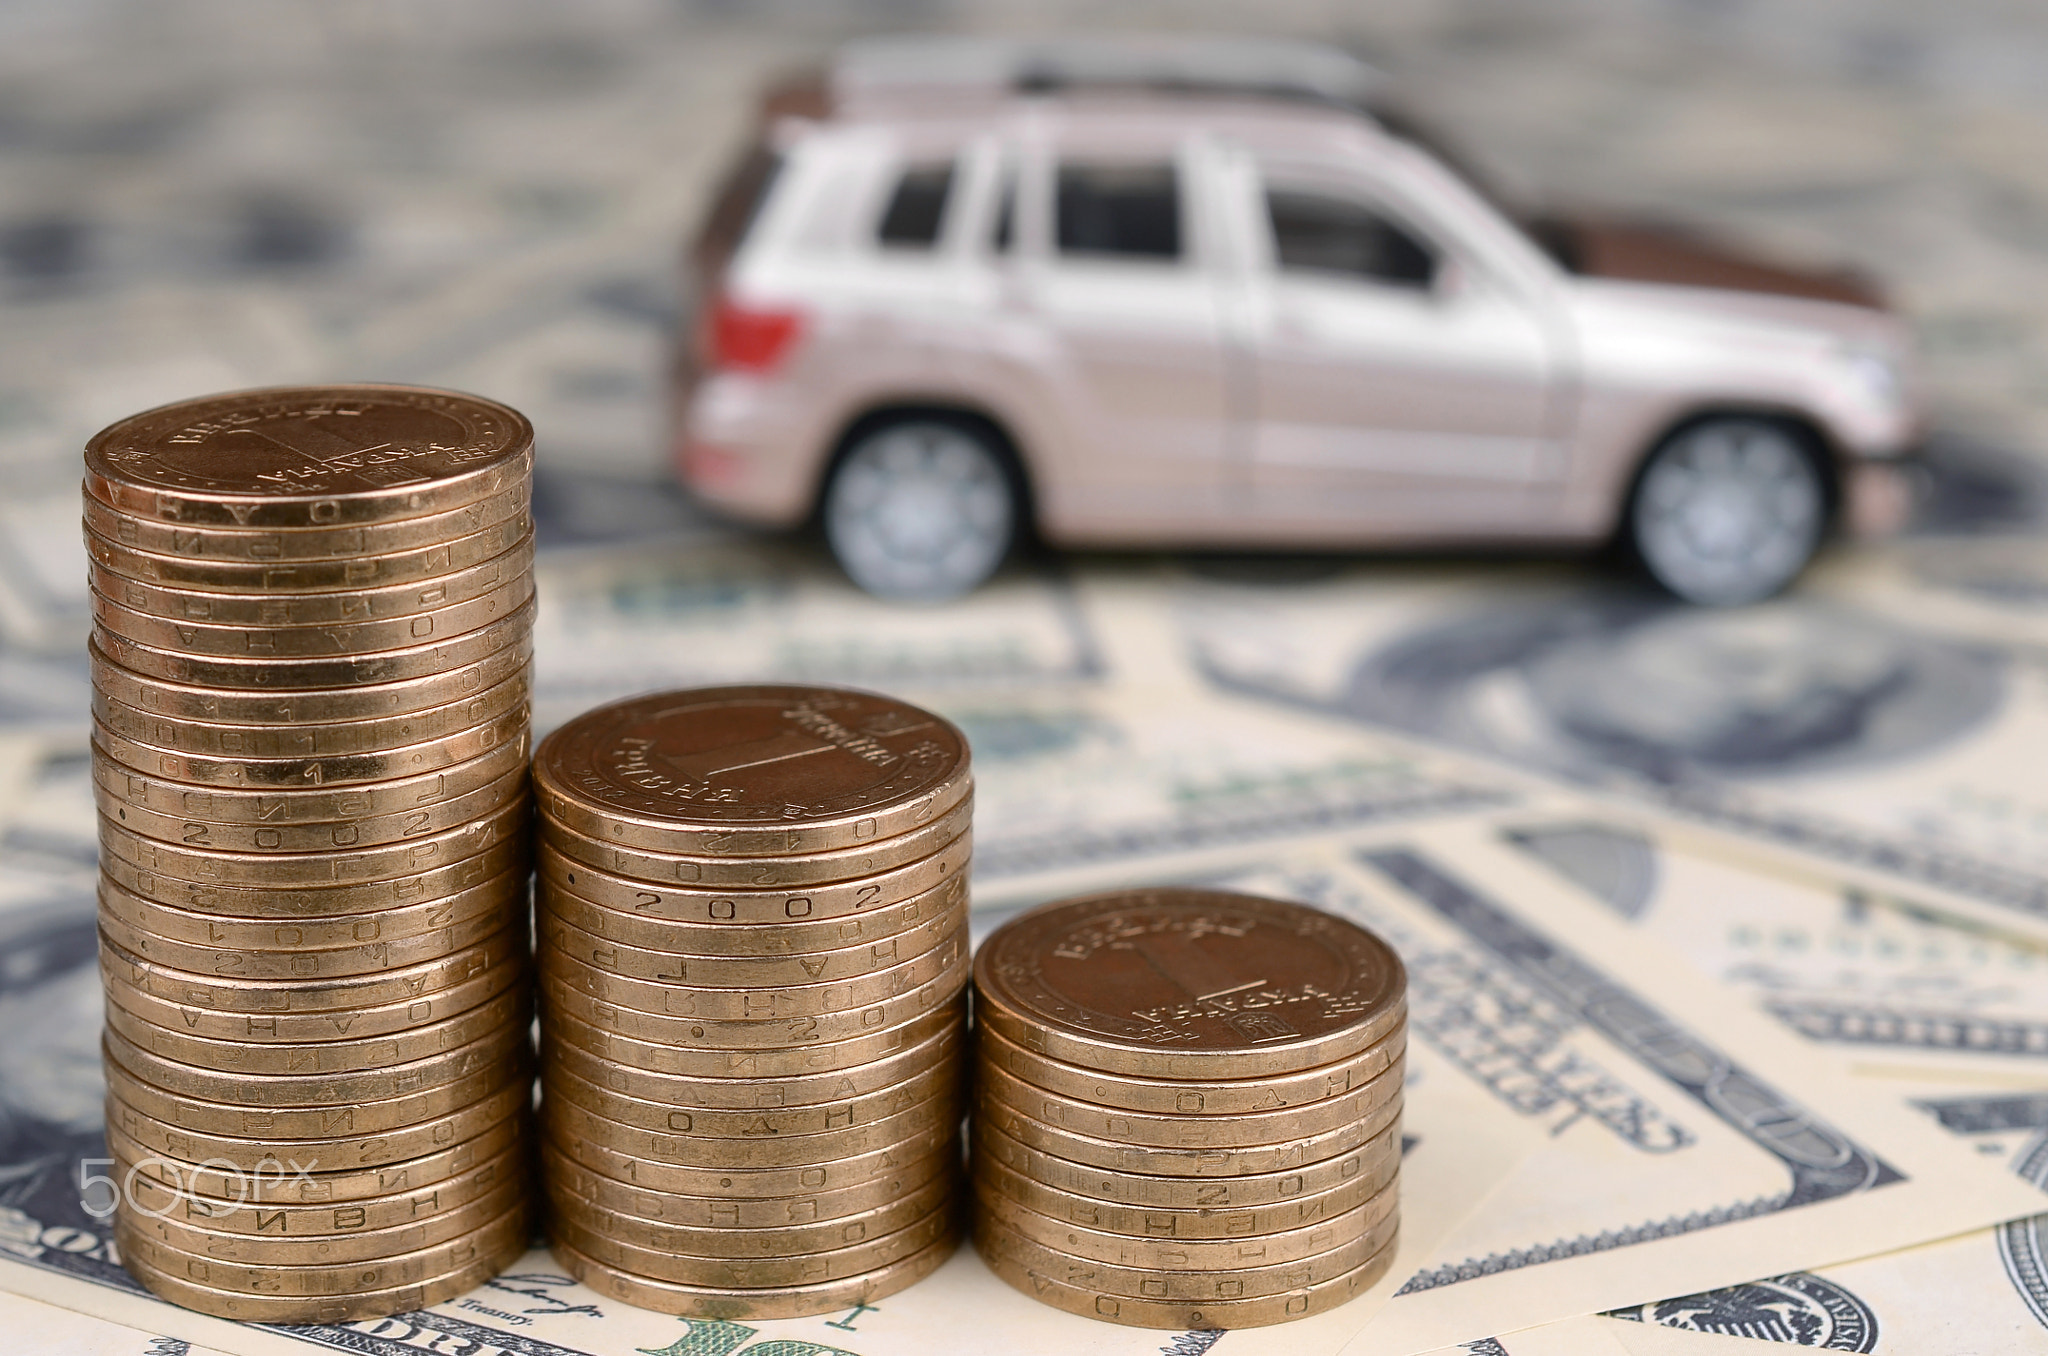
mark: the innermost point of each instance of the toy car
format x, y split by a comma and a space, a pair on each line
1187, 294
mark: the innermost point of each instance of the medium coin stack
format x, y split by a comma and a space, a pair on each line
311, 669
1187, 1107
752, 911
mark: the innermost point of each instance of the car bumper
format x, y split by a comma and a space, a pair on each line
741, 450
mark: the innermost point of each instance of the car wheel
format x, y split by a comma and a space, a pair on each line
1728, 510
921, 509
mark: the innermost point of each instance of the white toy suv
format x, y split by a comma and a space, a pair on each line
1204, 294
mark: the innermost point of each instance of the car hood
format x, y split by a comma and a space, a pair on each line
1592, 247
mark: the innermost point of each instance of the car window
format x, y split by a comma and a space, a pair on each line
1131, 211
917, 207
1326, 233
1005, 233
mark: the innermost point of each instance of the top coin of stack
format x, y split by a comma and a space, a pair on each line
1187, 1107
311, 669
753, 922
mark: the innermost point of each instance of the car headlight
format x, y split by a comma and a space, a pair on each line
1876, 374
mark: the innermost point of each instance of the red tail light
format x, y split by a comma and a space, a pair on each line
749, 338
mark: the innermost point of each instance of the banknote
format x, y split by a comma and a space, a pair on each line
1991, 587
1935, 1010
1677, 1146
1807, 724
32, 1326
1902, 990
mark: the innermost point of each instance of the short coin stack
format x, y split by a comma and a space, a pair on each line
1187, 1107
311, 668
753, 950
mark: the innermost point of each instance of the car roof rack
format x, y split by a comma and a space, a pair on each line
947, 68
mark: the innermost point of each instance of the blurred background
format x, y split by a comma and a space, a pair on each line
493, 194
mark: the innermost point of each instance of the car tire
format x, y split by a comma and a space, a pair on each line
1728, 510
921, 508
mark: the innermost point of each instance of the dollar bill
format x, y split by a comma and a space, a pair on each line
1935, 1010
1676, 1147
1807, 724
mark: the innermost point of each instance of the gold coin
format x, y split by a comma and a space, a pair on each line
485, 919
509, 1008
800, 1301
755, 1094
1240, 1192
286, 641
766, 880
155, 1187
281, 872
389, 1020
774, 1007
1185, 1254
309, 456
285, 775
298, 741
1235, 1097
811, 907
339, 1279
166, 923
1156, 1160
599, 1237
214, 574
353, 1247
310, 803
283, 1182
348, 607
118, 965
1068, 1285
1366, 1108
1193, 1286
563, 1029
497, 1050
773, 1038
580, 1137
504, 511
321, 836
361, 1305
726, 971
770, 1218
737, 1154
652, 932
333, 1121
336, 707
345, 1155
1295, 1212
346, 904
763, 1125
1183, 983
719, 1242
753, 771
258, 672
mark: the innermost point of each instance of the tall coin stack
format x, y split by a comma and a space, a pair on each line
311, 668
753, 952
1187, 1107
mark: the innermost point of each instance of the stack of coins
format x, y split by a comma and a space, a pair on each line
752, 912
1187, 1107
311, 667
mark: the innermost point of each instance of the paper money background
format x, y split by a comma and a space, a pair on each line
491, 194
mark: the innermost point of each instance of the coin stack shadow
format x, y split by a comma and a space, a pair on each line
752, 913
311, 678
1187, 1107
